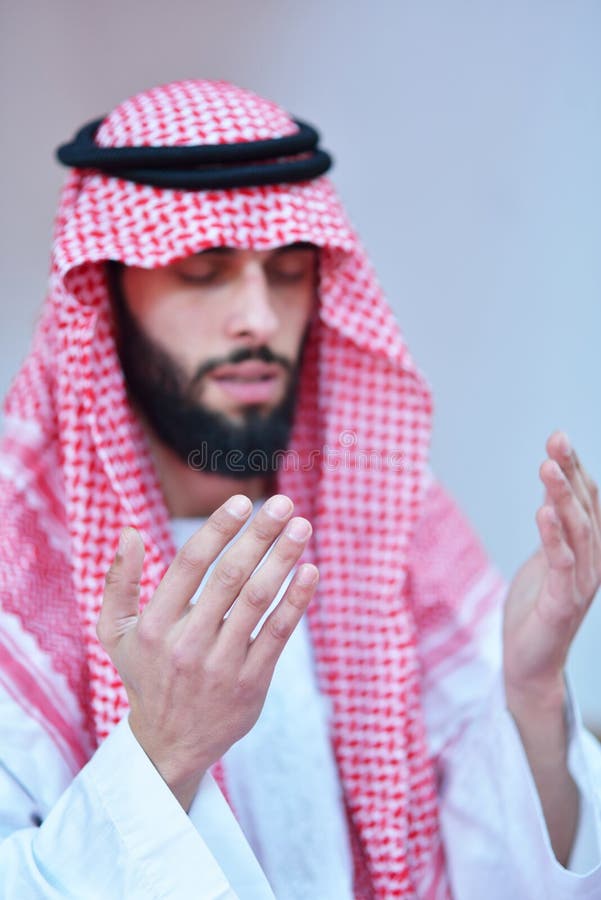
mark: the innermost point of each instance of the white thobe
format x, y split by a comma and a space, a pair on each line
115, 830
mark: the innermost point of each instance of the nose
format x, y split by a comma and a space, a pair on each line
252, 317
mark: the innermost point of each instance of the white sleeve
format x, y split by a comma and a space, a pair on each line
495, 835
116, 830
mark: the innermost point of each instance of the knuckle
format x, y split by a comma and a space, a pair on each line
245, 687
263, 529
191, 560
297, 596
279, 629
229, 573
130, 588
212, 672
222, 524
584, 529
567, 562
257, 596
288, 551
147, 632
181, 660
113, 576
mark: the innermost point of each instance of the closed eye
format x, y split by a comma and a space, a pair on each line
204, 269
291, 265
204, 278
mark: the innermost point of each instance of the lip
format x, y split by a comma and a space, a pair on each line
248, 382
252, 369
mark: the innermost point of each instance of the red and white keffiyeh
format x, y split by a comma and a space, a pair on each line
75, 469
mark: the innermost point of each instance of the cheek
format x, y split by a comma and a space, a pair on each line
189, 338
295, 318
165, 311
182, 332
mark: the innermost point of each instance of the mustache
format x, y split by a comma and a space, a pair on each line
262, 354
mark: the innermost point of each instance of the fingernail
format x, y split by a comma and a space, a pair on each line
298, 530
238, 506
279, 506
307, 575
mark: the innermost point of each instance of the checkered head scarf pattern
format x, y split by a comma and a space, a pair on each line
357, 467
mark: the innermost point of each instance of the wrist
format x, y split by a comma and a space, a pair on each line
185, 791
538, 710
537, 697
181, 779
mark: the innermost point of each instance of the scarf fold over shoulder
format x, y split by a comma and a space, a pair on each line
75, 469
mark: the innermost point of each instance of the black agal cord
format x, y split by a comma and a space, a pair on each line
295, 157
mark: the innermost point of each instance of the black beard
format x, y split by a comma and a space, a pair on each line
204, 439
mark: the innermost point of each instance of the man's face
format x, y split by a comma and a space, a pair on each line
210, 344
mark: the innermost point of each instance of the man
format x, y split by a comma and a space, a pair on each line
209, 308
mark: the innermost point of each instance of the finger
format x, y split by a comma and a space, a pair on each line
585, 488
237, 564
266, 648
589, 498
575, 522
560, 449
561, 600
593, 497
193, 560
258, 593
121, 600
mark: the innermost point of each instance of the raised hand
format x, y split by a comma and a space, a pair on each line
195, 680
552, 592
547, 602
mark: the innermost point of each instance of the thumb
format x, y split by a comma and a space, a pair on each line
121, 600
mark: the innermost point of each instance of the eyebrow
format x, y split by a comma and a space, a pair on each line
221, 251
297, 245
226, 251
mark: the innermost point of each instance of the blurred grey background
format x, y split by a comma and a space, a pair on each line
468, 144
